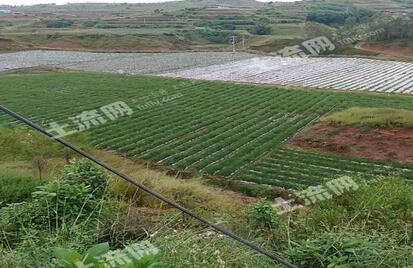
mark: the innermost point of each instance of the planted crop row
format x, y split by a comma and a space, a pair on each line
218, 129
307, 168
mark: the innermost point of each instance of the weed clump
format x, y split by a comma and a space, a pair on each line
263, 215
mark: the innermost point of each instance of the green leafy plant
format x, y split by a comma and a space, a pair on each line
138, 255
263, 215
84, 172
59, 202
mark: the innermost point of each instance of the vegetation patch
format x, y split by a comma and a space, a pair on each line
373, 117
16, 187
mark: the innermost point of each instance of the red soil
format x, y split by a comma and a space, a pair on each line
61, 44
394, 50
4, 41
389, 144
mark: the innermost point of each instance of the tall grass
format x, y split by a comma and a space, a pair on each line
16, 187
191, 193
373, 117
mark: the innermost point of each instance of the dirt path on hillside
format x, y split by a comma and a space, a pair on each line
388, 144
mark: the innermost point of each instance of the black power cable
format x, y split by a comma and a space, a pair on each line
172, 203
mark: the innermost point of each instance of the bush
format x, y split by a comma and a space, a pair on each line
337, 14
61, 203
55, 205
16, 187
84, 172
67, 202
59, 24
263, 215
262, 29
216, 36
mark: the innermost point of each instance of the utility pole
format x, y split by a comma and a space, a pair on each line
243, 43
233, 42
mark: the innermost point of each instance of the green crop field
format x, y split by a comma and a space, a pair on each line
225, 130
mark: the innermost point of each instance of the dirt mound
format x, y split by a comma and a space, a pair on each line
394, 50
61, 44
389, 144
4, 41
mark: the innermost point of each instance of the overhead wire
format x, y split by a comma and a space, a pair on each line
276, 258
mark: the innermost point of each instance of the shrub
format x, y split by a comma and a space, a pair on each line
263, 215
262, 29
61, 203
59, 24
57, 204
18, 187
216, 36
85, 172
54, 205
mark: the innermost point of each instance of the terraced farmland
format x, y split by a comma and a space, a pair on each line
328, 73
226, 130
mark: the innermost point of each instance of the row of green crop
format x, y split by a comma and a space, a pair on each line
308, 168
215, 128
207, 138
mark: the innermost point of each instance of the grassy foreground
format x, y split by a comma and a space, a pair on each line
368, 227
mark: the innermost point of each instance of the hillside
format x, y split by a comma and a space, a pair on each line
381, 5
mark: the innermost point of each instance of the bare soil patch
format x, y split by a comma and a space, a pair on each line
5, 41
61, 44
388, 144
394, 50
